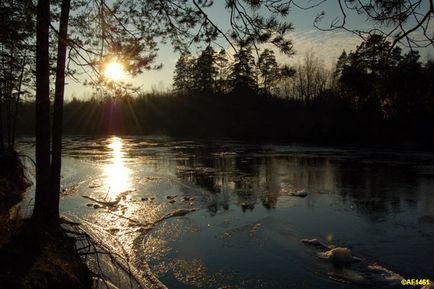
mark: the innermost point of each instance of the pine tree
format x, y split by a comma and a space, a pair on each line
364, 68
183, 74
222, 66
269, 69
16, 62
243, 75
205, 71
341, 63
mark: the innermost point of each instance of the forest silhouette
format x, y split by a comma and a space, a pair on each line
373, 94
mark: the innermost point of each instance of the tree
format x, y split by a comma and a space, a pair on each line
45, 202
287, 73
381, 82
16, 42
56, 151
310, 78
205, 71
269, 69
223, 68
365, 67
341, 64
370, 56
183, 75
243, 75
402, 90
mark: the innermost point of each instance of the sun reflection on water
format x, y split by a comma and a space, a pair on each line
116, 173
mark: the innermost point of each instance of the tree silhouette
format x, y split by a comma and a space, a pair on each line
223, 68
183, 74
370, 56
381, 82
205, 71
403, 91
310, 79
269, 69
16, 59
364, 67
59, 91
243, 75
45, 202
341, 63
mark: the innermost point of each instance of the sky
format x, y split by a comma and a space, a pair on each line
326, 45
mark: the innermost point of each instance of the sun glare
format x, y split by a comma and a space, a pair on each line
117, 174
114, 71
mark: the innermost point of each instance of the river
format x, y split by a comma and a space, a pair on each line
226, 214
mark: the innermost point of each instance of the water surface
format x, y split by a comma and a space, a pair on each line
236, 223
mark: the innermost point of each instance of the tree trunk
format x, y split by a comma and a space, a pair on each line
2, 144
56, 154
17, 100
45, 207
9, 96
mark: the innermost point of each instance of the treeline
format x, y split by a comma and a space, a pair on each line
17, 62
225, 115
214, 72
374, 94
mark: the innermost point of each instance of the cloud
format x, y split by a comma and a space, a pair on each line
327, 45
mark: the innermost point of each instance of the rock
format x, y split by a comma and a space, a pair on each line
340, 257
372, 275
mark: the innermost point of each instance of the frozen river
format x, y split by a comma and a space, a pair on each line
222, 214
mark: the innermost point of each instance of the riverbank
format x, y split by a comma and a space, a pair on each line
41, 256
33, 254
13, 181
13, 184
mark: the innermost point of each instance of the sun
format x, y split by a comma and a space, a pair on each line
114, 71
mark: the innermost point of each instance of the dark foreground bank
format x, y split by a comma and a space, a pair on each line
33, 254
